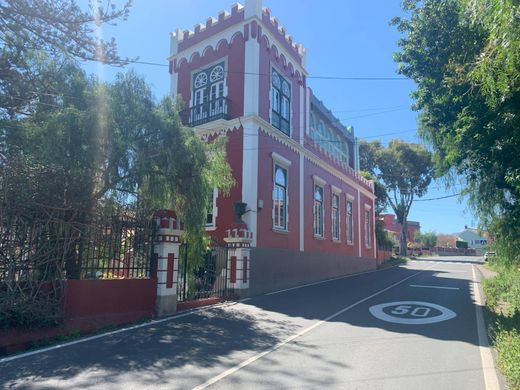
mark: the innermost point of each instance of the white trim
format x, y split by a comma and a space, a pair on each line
319, 181
302, 113
223, 126
251, 76
335, 189
281, 160
302, 202
250, 176
205, 67
308, 111
368, 245
368, 207
213, 226
374, 232
350, 197
281, 50
359, 220
338, 195
286, 168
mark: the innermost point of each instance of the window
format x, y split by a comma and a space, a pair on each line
280, 198
208, 100
335, 217
318, 211
367, 228
212, 209
280, 103
350, 223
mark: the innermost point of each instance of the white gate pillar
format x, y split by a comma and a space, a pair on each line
239, 255
166, 254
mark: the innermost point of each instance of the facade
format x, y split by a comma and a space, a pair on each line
474, 238
394, 228
241, 76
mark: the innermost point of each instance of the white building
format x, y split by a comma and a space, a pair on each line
474, 239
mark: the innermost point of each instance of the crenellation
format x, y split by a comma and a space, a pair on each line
223, 15
199, 27
236, 8
210, 21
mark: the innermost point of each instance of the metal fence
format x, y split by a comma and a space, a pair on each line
119, 246
203, 278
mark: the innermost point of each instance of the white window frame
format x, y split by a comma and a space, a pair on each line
336, 193
349, 228
368, 232
279, 107
318, 231
213, 224
282, 162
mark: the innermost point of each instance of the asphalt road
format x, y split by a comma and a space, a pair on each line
408, 327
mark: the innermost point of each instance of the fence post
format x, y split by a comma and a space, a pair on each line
166, 247
239, 259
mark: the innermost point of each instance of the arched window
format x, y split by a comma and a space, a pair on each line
280, 102
280, 198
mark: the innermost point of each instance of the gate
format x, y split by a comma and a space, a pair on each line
206, 278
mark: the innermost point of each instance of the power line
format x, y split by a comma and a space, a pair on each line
442, 197
346, 78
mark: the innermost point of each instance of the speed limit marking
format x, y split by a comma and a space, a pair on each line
411, 312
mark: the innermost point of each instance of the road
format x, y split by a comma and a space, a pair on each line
406, 327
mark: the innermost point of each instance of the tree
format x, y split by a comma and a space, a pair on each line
426, 239
114, 145
406, 170
57, 29
464, 56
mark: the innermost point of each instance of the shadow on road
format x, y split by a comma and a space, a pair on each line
187, 351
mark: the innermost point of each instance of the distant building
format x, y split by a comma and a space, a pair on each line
476, 239
394, 228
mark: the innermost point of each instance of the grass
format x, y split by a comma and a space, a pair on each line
503, 311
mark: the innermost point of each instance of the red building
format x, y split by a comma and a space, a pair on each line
241, 76
394, 228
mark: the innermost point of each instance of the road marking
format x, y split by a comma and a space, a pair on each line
488, 365
411, 312
327, 280
439, 287
260, 355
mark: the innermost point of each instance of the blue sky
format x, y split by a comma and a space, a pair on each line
347, 38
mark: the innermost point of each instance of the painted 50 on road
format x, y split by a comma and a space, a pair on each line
411, 312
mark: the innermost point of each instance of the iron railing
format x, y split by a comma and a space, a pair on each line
206, 112
206, 278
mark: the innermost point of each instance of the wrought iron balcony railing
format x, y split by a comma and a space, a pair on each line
206, 112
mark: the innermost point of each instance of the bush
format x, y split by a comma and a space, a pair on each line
503, 304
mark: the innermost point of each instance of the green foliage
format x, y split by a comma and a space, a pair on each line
57, 29
402, 171
503, 304
507, 343
464, 56
426, 239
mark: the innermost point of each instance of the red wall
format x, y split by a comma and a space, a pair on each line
226, 212
270, 58
327, 244
234, 52
113, 301
266, 237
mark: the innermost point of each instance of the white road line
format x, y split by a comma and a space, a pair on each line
488, 365
439, 287
327, 280
99, 336
254, 358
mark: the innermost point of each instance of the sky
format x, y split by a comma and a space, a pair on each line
344, 38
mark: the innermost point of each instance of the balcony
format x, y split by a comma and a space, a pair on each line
206, 112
